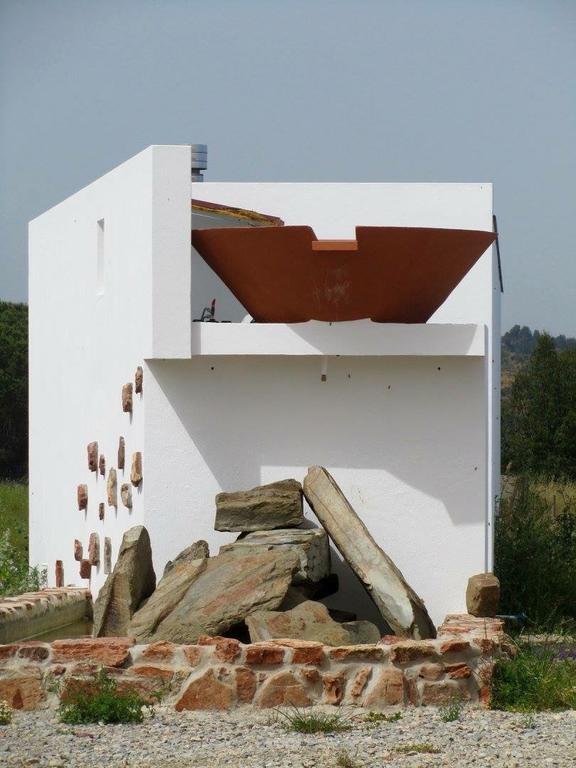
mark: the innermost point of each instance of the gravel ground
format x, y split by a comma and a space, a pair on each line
248, 739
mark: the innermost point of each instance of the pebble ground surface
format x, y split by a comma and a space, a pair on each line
252, 739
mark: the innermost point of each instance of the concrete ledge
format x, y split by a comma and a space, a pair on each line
360, 337
34, 613
221, 673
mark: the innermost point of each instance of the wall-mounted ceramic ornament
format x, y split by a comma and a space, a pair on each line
94, 549
82, 493
92, 449
107, 554
136, 472
127, 398
59, 574
126, 494
112, 488
121, 453
138, 378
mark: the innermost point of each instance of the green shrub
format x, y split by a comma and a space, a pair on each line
15, 574
6, 713
14, 513
103, 703
535, 553
451, 711
535, 680
312, 722
528, 721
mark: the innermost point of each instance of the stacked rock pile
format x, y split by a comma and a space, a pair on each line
267, 583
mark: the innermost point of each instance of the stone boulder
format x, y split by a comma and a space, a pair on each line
132, 581
179, 574
227, 590
399, 605
311, 545
277, 505
362, 632
197, 551
483, 595
309, 621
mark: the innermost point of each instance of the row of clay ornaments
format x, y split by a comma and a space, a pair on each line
112, 482
93, 555
97, 463
127, 390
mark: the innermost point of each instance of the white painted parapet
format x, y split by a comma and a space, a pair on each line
359, 338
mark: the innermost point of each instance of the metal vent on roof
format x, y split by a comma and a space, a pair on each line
199, 161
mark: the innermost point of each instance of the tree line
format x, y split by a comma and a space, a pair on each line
13, 390
539, 414
520, 340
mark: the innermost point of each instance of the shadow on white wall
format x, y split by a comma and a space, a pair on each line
404, 437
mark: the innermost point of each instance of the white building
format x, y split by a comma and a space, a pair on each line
407, 418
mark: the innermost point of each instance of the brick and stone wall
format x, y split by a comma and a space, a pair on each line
221, 673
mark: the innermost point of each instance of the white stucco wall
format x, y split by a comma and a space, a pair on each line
408, 438
88, 335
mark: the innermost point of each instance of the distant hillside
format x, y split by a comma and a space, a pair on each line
518, 344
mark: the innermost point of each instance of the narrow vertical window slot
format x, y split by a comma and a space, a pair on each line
100, 257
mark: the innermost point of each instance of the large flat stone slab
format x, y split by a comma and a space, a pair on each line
399, 605
132, 581
311, 545
277, 505
226, 591
309, 621
178, 576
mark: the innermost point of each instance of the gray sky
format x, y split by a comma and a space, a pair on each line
311, 90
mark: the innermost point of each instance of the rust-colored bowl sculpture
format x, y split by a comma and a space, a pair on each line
388, 274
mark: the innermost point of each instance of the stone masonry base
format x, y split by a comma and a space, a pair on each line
221, 673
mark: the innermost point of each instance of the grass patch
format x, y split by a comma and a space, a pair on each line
528, 721
15, 575
103, 703
343, 760
451, 711
14, 514
380, 717
312, 722
424, 748
535, 680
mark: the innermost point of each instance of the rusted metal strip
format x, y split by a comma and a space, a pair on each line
388, 274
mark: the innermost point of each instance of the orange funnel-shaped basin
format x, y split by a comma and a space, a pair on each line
388, 274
